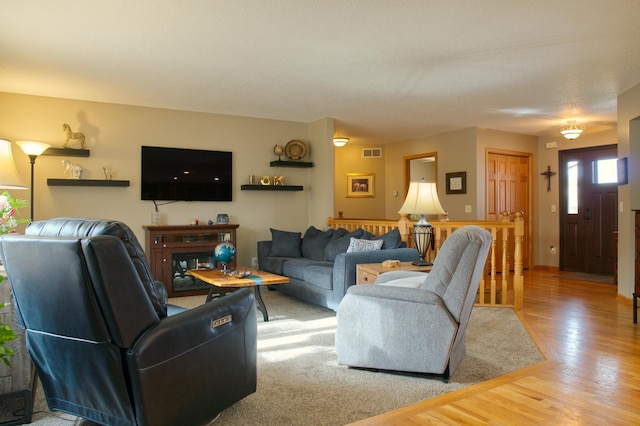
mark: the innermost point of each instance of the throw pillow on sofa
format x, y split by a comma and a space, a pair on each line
357, 245
391, 239
339, 243
314, 242
285, 244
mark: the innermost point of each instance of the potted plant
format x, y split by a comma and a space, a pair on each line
9, 220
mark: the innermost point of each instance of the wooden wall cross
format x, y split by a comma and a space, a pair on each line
548, 175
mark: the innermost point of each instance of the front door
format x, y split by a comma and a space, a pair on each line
588, 203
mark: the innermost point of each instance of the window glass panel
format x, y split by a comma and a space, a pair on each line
572, 187
606, 171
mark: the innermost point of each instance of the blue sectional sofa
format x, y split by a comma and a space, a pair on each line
321, 265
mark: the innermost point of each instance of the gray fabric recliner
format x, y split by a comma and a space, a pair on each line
420, 330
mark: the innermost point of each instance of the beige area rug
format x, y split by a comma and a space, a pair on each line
300, 382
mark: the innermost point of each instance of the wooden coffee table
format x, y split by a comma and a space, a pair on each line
223, 283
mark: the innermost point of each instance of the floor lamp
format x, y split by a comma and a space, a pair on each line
33, 150
422, 199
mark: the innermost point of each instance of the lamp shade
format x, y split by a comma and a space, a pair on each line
33, 147
340, 141
422, 198
9, 178
572, 131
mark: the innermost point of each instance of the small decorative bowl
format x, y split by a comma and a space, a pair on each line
240, 274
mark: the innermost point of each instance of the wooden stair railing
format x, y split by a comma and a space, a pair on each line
502, 282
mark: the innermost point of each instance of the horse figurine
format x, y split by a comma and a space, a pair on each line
72, 136
72, 171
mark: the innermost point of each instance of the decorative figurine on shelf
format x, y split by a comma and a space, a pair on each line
277, 180
265, 180
72, 136
108, 173
224, 253
278, 150
295, 149
72, 171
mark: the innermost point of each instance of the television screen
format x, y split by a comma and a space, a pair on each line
185, 174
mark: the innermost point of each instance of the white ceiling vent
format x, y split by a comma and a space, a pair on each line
371, 152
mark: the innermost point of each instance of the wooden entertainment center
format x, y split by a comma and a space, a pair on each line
172, 250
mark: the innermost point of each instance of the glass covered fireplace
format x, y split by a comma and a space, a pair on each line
173, 250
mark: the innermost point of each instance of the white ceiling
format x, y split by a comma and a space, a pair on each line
384, 70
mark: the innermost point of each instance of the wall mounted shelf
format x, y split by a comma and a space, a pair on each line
271, 188
87, 182
280, 163
67, 152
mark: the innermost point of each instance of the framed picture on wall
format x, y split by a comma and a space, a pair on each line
360, 185
456, 183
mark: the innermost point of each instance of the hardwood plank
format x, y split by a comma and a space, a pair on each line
591, 376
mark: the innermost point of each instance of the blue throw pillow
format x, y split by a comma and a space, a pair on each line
339, 243
391, 239
314, 242
285, 244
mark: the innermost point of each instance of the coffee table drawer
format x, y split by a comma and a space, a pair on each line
365, 277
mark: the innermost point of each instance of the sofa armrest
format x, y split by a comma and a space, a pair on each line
344, 268
264, 250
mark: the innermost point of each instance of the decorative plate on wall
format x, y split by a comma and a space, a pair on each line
295, 149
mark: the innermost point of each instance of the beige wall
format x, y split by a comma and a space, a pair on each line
349, 159
455, 153
628, 195
115, 133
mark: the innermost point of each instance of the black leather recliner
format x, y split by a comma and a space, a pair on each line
84, 227
102, 349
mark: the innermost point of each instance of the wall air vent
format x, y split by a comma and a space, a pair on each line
371, 152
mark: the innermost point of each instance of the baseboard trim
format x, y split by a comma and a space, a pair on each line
546, 268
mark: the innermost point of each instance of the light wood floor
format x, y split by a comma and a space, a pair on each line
591, 376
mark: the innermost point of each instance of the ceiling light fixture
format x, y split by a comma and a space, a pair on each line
340, 141
572, 132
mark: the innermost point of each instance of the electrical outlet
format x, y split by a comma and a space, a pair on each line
254, 262
552, 249
467, 208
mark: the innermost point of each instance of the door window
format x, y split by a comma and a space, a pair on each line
605, 171
572, 187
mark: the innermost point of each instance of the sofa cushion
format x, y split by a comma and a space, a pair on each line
295, 268
357, 245
285, 244
274, 264
314, 242
339, 243
319, 275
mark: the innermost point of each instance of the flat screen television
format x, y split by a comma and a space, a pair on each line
176, 174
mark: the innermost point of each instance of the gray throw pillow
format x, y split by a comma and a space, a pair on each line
357, 245
339, 243
285, 244
314, 242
